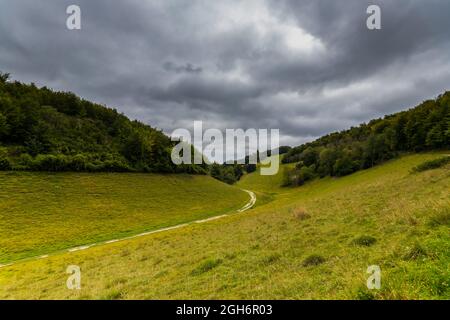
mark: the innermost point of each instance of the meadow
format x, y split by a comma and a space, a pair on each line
310, 242
45, 212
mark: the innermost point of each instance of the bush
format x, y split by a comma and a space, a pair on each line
50, 162
416, 252
344, 166
298, 176
4, 128
228, 173
365, 241
301, 214
249, 168
4, 162
432, 164
79, 163
440, 219
25, 160
94, 167
268, 260
364, 294
313, 260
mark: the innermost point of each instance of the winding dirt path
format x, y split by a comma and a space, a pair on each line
247, 206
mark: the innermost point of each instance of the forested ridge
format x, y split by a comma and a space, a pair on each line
45, 130
425, 127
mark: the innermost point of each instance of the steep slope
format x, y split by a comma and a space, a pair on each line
41, 213
267, 184
425, 127
315, 241
44, 130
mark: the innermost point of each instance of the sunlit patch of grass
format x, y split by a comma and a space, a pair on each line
261, 252
45, 212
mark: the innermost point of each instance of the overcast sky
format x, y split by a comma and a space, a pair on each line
306, 67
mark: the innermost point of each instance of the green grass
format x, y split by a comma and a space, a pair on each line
265, 184
432, 164
43, 212
269, 253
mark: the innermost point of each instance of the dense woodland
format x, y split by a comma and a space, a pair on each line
425, 127
44, 130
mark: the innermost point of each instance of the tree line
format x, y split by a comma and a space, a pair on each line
425, 127
45, 130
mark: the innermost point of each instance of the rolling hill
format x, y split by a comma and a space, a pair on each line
76, 177
46, 130
311, 242
41, 213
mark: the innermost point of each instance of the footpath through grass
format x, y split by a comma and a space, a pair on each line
44, 212
312, 242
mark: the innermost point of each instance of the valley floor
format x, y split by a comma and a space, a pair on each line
41, 213
312, 242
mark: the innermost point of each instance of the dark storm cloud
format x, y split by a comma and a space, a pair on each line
408, 28
307, 67
188, 68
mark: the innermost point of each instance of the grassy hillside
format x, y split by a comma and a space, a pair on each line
315, 241
267, 184
423, 128
45, 130
42, 212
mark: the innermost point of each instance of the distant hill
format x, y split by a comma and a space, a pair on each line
44, 130
423, 128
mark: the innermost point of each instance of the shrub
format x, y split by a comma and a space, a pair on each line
416, 252
313, 260
50, 162
4, 128
301, 214
26, 160
308, 173
432, 164
365, 241
298, 175
115, 166
344, 166
364, 294
4, 162
94, 166
79, 163
270, 259
113, 295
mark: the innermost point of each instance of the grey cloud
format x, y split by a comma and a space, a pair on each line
227, 63
188, 68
